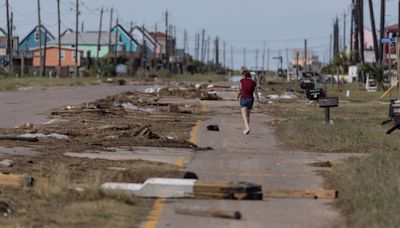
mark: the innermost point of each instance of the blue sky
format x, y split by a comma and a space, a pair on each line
282, 24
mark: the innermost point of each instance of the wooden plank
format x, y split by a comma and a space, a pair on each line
10, 181
313, 194
208, 212
212, 187
20, 181
212, 195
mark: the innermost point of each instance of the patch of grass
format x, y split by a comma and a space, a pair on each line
357, 127
10, 84
369, 189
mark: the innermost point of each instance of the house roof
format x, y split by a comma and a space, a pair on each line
147, 35
160, 35
3, 31
86, 38
34, 29
128, 34
391, 28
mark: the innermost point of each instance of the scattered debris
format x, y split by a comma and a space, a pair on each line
325, 164
186, 188
313, 194
43, 136
5, 208
130, 106
19, 138
208, 212
25, 126
213, 127
6, 163
210, 96
273, 97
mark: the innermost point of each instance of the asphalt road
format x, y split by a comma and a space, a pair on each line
256, 158
30, 105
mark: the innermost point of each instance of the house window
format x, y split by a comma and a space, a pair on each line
74, 56
36, 35
62, 55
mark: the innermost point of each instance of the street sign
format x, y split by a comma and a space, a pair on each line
388, 40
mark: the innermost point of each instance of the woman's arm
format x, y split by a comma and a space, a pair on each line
240, 91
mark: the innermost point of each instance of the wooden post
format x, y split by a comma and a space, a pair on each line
76, 39
59, 39
99, 39
8, 37
39, 30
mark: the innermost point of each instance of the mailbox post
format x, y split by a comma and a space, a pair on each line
327, 103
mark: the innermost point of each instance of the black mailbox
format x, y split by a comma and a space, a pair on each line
328, 102
315, 94
394, 115
306, 85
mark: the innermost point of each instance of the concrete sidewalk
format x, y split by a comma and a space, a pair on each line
254, 158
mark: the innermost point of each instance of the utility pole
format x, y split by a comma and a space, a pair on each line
344, 32
109, 34
99, 38
208, 48
202, 55
59, 39
12, 44
232, 58
76, 39
398, 46
256, 66
224, 58
143, 54
244, 57
263, 57
375, 38
382, 28
45, 51
352, 33
217, 51
116, 42
305, 56
83, 26
297, 65
330, 48
356, 32
166, 40
40, 40
9, 38
268, 57
361, 28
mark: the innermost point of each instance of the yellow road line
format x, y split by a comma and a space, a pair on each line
155, 214
203, 106
180, 162
159, 204
195, 132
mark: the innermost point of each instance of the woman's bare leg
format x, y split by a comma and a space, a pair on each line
248, 117
245, 116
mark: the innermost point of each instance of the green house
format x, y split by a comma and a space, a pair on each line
88, 42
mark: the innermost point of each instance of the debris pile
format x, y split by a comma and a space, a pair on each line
127, 119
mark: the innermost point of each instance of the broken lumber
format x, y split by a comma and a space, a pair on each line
313, 194
20, 181
19, 138
189, 188
209, 212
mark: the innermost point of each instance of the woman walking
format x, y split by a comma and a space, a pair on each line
247, 90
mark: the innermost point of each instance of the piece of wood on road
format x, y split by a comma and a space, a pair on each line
19, 181
287, 193
208, 212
